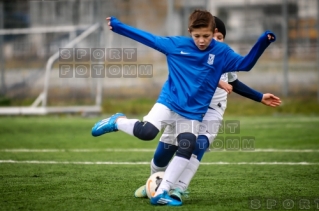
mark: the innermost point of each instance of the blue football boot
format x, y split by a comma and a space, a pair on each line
106, 125
141, 192
178, 193
165, 199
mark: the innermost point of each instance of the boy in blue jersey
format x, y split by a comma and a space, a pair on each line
167, 145
195, 66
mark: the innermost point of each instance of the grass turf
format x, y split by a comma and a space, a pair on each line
66, 185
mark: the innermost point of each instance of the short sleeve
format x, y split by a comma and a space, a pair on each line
232, 76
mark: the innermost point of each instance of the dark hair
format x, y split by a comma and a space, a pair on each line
201, 19
220, 26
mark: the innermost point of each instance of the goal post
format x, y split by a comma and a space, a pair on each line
40, 105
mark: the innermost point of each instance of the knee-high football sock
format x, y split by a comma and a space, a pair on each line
184, 180
186, 145
155, 168
126, 125
172, 173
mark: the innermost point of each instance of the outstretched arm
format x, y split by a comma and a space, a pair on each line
245, 91
146, 38
236, 62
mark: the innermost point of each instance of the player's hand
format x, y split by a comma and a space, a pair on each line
225, 86
270, 100
109, 22
270, 37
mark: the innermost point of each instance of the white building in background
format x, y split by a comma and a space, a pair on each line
245, 20
249, 18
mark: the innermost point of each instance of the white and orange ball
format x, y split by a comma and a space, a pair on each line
153, 183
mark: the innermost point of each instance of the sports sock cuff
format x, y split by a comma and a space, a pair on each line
155, 168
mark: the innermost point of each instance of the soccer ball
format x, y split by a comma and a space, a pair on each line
153, 183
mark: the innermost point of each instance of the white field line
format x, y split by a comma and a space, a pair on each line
77, 150
286, 150
151, 150
147, 163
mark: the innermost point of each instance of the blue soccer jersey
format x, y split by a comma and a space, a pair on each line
193, 75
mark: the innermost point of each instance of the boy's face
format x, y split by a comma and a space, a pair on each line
202, 37
218, 36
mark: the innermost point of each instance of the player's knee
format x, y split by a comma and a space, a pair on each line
145, 131
186, 145
202, 144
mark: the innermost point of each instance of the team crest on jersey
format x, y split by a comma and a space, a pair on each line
211, 58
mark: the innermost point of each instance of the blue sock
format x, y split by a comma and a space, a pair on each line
163, 154
202, 144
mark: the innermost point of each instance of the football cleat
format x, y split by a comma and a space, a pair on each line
106, 125
178, 193
165, 199
141, 192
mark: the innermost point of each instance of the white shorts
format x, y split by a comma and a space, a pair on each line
209, 127
162, 117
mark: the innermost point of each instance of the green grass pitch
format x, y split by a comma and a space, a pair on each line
53, 163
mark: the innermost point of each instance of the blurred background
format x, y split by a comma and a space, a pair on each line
32, 32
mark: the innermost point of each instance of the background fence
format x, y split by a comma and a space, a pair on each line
32, 31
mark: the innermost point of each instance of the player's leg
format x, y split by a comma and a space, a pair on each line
144, 130
164, 152
162, 156
208, 131
178, 164
179, 189
187, 131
